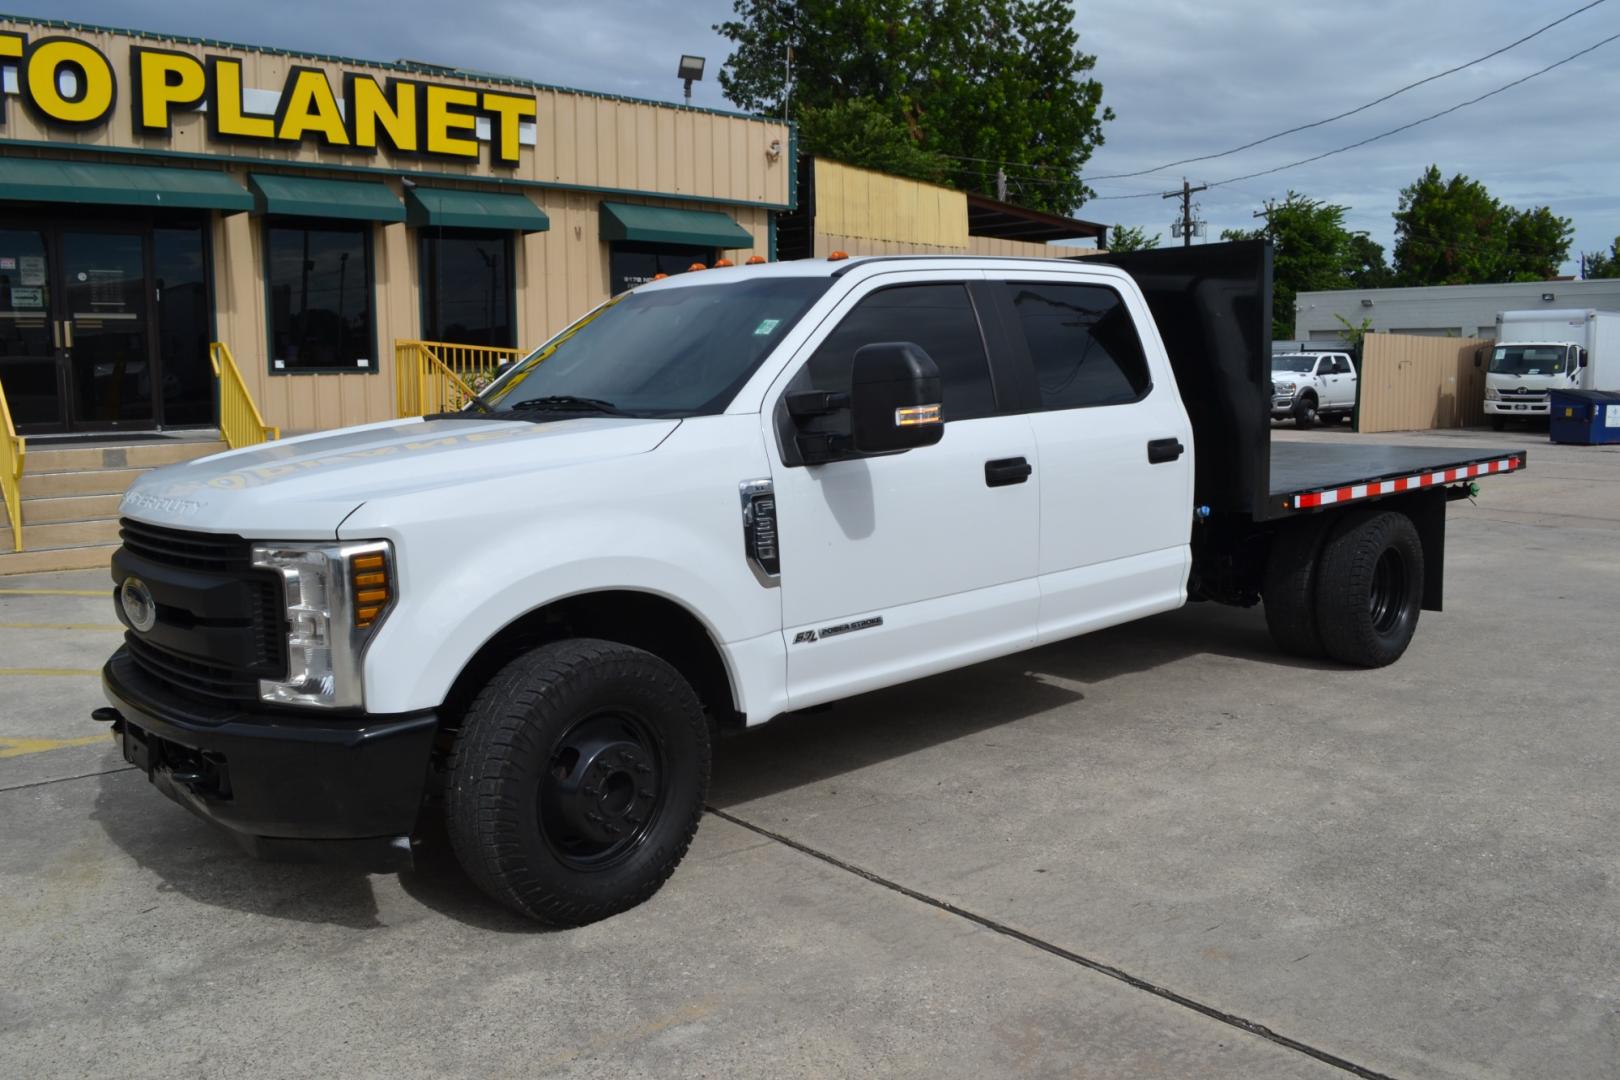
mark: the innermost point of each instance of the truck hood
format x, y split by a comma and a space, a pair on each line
303, 488
1499, 381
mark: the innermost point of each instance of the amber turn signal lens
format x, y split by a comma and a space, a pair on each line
368, 574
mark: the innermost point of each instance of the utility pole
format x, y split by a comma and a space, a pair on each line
1185, 226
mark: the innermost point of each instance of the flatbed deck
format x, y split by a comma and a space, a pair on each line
1306, 476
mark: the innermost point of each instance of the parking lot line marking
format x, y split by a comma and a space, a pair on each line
22, 747
5, 671
56, 592
65, 779
1193, 1004
59, 626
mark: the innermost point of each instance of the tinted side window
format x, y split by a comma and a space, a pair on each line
1341, 366
940, 318
1083, 344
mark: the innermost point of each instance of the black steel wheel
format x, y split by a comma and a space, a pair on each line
1369, 588
577, 780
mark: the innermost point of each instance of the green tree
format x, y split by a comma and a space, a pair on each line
1603, 264
865, 136
1454, 232
1131, 238
1312, 252
989, 86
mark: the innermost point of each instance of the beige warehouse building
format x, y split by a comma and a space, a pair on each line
157, 194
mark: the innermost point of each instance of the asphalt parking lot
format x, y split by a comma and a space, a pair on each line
1162, 850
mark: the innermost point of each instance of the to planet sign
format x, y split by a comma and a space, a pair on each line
404, 116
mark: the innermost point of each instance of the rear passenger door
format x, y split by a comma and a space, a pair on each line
1115, 451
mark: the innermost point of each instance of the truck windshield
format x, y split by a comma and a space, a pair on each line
1528, 360
1292, 362
661, 352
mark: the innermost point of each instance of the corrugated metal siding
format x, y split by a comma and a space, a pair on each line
1413, 383
857, 204
580, 139
1468, 310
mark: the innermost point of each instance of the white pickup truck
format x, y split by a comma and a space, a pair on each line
1312, 386
714, 500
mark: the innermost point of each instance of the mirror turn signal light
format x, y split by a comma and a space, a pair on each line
917, 415
369, 576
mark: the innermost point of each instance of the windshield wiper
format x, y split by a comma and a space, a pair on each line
567, 403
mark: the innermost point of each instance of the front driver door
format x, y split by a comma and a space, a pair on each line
905, 564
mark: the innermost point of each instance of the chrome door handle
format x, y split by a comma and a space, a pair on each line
67, 332
56, 333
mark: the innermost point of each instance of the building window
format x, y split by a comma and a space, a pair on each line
631, 264
320, 287
467, 287
1083, 345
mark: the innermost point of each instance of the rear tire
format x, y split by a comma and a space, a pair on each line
1369, 588
1305, 412
577, 780
1289, 590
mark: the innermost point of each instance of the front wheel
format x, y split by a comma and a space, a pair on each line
1369, 588
577, 780
1305, 412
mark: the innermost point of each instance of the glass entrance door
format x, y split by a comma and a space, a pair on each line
30, 333
106, 329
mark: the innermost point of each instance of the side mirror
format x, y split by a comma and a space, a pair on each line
1582, 354
895, 398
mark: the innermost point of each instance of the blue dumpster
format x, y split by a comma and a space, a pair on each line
1585, 416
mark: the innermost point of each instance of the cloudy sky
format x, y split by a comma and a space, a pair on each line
1186, 77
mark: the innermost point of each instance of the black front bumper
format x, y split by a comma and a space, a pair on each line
343, 788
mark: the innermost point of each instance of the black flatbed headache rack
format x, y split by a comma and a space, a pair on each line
1212, 304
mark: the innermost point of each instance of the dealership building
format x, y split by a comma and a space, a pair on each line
1467, 311
161, 193
318, 215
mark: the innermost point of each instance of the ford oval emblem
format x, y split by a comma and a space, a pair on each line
139, 607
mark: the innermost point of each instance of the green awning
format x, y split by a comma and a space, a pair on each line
357, 200
453, 208
661, 225
100, 182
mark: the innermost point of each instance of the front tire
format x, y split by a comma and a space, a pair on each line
1369, 588
1305, 412
577, 780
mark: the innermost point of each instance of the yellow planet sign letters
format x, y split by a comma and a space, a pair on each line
404, 116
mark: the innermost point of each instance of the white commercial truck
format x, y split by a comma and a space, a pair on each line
716, 499
1537, 352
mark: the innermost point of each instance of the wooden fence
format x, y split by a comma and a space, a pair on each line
1414, 383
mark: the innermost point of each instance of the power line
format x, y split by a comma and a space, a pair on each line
1358, 108
1383, 134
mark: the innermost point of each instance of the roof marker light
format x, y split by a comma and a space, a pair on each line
718, 263
696, 266
755, 260
837, 256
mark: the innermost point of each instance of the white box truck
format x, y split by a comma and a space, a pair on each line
1537, 352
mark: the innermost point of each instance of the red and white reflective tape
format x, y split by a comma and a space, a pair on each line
1405, 483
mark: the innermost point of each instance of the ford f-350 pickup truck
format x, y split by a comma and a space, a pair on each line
716, 499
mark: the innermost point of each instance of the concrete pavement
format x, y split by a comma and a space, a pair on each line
1161, 850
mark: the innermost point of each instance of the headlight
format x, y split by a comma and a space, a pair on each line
336, 596
1491, 394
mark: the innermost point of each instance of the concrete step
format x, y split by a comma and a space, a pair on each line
55, 485
71, 508
149, 455
50, 559
63, 534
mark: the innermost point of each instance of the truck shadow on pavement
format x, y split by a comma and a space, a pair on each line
202, 863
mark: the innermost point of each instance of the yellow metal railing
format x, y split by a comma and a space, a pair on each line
12, 449
438, 376
240, 423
